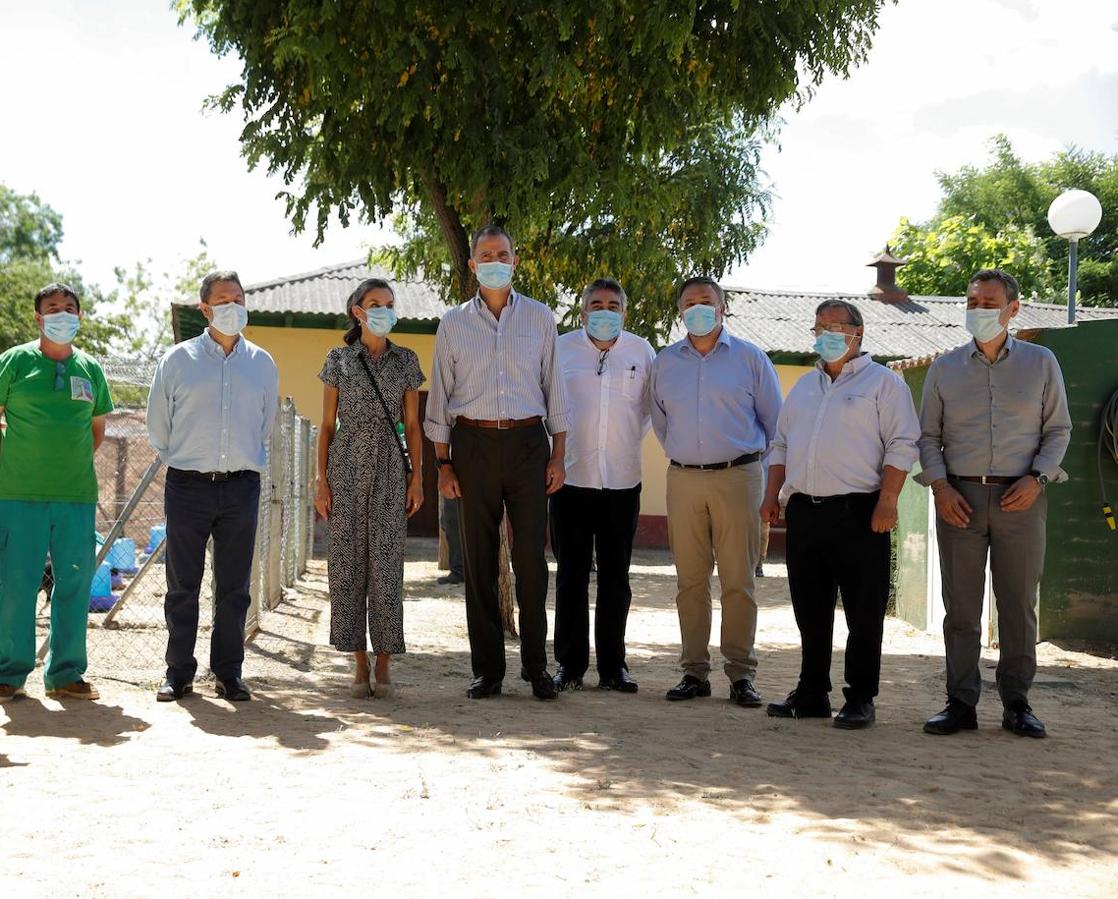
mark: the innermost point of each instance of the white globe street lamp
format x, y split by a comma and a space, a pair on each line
1073, 215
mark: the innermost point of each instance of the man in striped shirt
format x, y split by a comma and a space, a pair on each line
495, 384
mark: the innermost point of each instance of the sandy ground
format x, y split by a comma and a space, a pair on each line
306, 791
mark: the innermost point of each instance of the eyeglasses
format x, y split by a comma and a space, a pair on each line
602, 361
59, 375
835, 328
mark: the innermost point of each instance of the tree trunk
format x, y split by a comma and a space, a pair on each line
458, 245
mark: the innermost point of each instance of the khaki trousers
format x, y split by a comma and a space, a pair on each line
712, 517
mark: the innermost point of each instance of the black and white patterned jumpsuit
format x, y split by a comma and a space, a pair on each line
368, 522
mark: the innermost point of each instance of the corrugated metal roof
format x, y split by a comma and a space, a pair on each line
781, 321
324, 292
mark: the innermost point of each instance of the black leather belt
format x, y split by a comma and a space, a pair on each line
718, 466
835, 498
211, 476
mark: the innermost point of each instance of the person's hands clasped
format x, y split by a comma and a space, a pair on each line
1021, 494
951, 506
556, 475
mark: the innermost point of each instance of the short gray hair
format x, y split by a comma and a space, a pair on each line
701, 281
1004, 278
213, 278
852, 311
610, 284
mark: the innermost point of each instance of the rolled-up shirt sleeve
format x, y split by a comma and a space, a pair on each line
1055, 428
930, 442
437, 422
159, 411
778, 448
900, 428
555, 394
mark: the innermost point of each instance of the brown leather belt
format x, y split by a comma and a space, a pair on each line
501, 424
987, 479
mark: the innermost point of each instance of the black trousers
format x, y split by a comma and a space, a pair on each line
448, 521
831, 548
196, 510
588, 524
499, 470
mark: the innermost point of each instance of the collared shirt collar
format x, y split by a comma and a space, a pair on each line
216, 349
850, 366
590, 343
477, 303
685, 344
1007, 348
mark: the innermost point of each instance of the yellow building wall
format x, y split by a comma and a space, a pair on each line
299, 353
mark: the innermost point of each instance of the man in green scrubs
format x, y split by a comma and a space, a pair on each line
54, 398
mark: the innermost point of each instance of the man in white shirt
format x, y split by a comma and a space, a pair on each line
594, 516
845, 440
210, 414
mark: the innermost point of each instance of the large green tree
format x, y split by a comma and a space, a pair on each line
617, 138
30, 238
997, 215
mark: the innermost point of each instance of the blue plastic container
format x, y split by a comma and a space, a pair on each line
158, 532
122, 556
101, 597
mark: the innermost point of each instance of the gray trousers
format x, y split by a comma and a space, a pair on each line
1015, 542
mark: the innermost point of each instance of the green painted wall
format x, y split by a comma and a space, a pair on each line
910, 577
1079, 590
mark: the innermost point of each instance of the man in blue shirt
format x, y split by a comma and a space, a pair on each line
210, 414
715, 402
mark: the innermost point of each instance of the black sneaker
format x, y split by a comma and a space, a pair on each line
566, 680
796, 705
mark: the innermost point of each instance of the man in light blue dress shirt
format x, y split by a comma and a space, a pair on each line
715, 402
210, 414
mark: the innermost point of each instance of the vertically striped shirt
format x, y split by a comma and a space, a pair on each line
490, 368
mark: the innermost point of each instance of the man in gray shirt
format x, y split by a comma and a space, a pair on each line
994, 428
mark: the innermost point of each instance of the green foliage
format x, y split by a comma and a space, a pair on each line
146, 300
29, 229
998, 215
619, 137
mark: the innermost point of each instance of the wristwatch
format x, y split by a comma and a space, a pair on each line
439, 463
1041, 478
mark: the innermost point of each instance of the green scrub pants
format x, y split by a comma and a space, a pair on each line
27, 531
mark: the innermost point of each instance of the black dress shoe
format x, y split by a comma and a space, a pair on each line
855, 715
796, 705
1019, 718
233, 690
171, 691
743, 693
689, 688
543, 684
484, 687
759, 571
451, 578
566, 680
955, 717
620, 682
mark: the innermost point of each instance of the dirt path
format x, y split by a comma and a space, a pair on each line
305, 790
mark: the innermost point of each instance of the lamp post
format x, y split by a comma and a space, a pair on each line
1073, 215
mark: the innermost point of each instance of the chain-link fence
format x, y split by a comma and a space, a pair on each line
127, 630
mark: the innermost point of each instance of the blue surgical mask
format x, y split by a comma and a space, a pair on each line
700, 320
603, 324
984, 324
831, 346
61, 327
494, 275
380, 320
230, 318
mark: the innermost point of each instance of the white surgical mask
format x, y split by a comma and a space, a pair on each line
230, 318
61, 327
984, 324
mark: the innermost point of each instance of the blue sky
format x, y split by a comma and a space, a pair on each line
103, 119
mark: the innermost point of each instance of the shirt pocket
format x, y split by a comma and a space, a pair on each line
860, 410
633, 380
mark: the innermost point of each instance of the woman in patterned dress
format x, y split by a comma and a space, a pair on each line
363, 490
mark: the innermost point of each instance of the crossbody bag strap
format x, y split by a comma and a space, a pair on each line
396, 427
